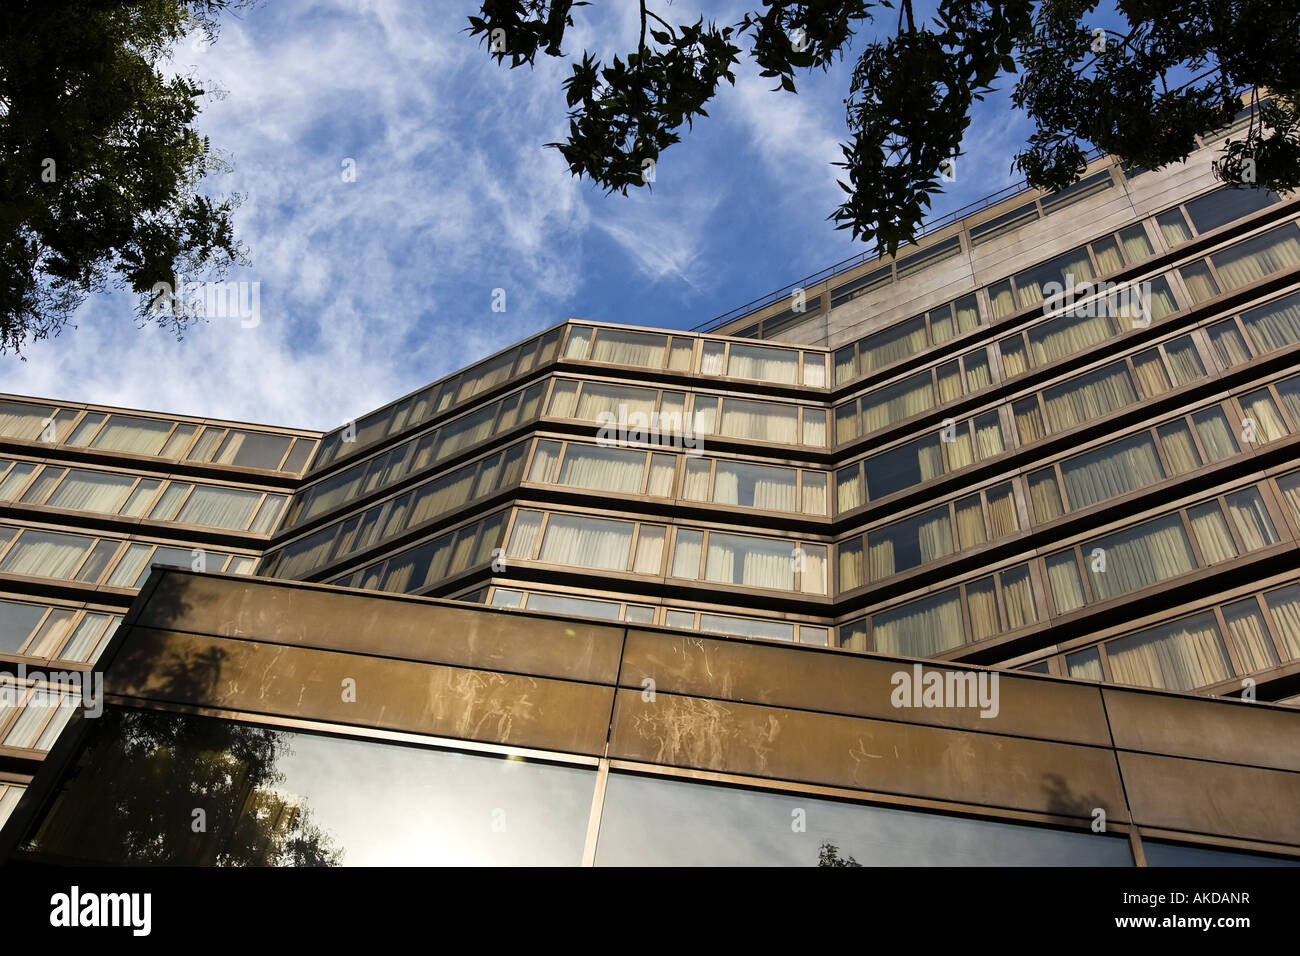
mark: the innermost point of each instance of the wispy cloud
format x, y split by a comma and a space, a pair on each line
371, 288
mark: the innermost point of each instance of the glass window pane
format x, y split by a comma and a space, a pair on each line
603, 469
1085, 665
1247, 630
1152, 552
1263, 423
581, 607
1112, 470
17, 622
46, 554
276, 797
909, 543
746, 627
1255, 258
763, 364
752, 562
137, 436
219, 507
87, 427
922, 628
686, 554
814, 493
653, 821
1275, 325
1251, 519
1200, 281
1183, 655
252, 449
649, 550
1064, 581
1215, 433
586, 542
624, 347
755, 486
1179, 447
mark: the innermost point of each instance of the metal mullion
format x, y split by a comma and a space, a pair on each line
966, 629
1020, 497
1004, 620
630, 563
1185, 517
1228, 641
1038, 590
1205, 350
1102, 657
1190, 421
1274, 505
1214, 270
1058, 474
1084, 566
1161, 457
1287, 418
1270, 622
94, 540
27, 641
36, 473
7, 721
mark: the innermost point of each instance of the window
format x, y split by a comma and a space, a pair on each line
46, 554
921, 628
1111, 471
23, 421
1260, 256
252, 449
136, 436
281, 809
586, 542
659, 821
763, 364
1183, 655
1222, 206
603, 469
82, 490
755, 486
1139, 557
219, 507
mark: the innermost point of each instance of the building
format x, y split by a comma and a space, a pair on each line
1056, 436
91, 497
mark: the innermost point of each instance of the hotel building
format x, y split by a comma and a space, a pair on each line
1055, 437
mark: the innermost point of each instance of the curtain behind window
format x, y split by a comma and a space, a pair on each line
1183, 655
136, 436
1258, 257
91, 491
921, 628
586, 542
46, 554
1284, 605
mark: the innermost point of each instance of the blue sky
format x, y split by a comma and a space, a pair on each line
372, 288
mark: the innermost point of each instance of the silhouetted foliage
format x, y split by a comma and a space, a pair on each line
914, 86
140, 786
829, 855
100, 164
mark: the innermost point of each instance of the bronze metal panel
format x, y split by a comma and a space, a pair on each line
882, 756
293, 613
1213, 798
848, 684
1233, 732
307, 683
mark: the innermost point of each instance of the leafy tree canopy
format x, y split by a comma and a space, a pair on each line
1176, 69
100, 164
